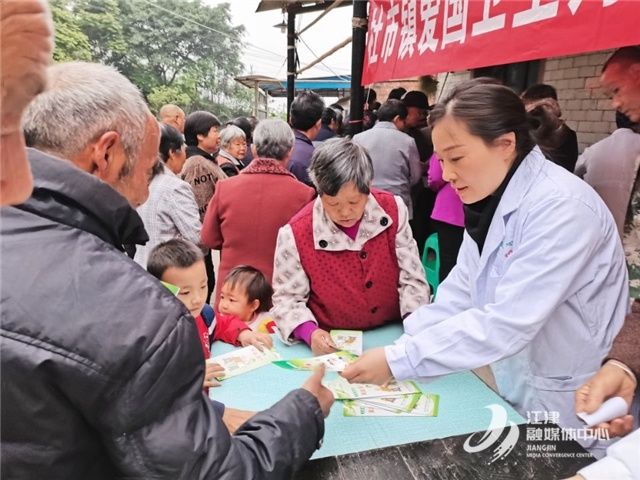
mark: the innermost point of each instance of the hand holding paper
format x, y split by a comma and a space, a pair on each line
333, 362
610, 381
244, 360
372, 367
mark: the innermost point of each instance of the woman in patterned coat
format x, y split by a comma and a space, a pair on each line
348, 259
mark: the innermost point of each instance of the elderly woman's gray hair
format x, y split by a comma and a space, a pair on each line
82, 102
339, 161
273, 138
229, 134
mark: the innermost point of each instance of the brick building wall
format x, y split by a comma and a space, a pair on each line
584, 105
448, 81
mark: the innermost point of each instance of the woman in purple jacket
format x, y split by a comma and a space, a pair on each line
447, 216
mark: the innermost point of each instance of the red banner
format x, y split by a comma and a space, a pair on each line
407, 38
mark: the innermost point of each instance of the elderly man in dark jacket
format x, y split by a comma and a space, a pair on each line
101, 366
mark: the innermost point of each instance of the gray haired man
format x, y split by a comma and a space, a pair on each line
102, 373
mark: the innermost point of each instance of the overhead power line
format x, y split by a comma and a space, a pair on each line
187, 19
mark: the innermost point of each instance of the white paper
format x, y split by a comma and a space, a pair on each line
613, 408
348, 340
243, 360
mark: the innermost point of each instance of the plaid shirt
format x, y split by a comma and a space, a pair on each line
170, 211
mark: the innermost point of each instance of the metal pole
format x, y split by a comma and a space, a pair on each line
357, 62
255, 99
291, 59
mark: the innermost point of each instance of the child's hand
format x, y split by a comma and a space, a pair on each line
258, 340
211, 371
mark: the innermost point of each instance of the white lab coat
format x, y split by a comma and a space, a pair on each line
542, 304
622, 461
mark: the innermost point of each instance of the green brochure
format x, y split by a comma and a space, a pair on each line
333, 362
172, 288
416, 405
343, 390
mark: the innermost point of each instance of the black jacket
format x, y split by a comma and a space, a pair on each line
102, 368
192, 151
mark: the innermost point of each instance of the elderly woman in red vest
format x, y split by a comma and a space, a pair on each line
347, 260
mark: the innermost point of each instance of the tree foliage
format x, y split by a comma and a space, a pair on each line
175, 51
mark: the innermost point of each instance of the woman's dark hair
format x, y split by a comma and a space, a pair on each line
198, 123
255, 284
488, 111
171, 140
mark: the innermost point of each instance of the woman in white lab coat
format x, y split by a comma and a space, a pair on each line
540, 286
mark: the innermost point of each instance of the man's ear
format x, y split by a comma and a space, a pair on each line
102, 154
634, 70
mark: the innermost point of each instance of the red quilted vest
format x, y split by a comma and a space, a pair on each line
352, 289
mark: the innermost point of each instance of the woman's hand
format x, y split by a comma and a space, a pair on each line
371, 367
258, 340
211, 371
322, 343
609, 381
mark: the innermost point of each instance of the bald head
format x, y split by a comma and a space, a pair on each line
172, 115
621, 77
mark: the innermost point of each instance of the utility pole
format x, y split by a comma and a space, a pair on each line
291, 59
359, 23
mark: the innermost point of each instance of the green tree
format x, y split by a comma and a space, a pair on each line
177, 51
100, 21
163, 95
71, 42
184, 42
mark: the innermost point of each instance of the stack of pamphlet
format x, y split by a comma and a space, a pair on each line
396, 399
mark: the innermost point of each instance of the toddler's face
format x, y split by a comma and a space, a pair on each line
192, 282
234, 301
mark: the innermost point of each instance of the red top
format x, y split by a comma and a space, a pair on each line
228, 327
203, 335
352, 289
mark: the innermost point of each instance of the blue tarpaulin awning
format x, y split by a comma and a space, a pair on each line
323, 86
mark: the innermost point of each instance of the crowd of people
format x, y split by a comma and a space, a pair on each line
104, 370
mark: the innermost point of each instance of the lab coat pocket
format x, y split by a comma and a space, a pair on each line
558, 383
